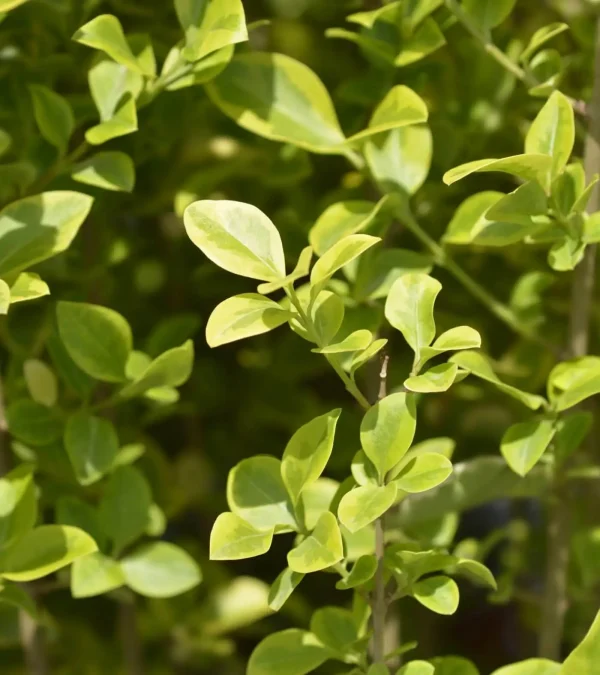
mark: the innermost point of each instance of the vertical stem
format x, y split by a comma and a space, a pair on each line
379, 603
555, 597
33, 645
130, 639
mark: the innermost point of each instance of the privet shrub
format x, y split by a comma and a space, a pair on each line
214, 126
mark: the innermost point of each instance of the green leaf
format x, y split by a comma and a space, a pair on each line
105, 33
34, 423
476, 572
520, 205
321, 549
98, 339
425, 40
571, 431
528, 167
365, 504
478, 365
335, 628
417, 668
326, 316
288, 652
584, 659
19, 505
438, 593
41, 382
523, 444
95, 574
160, 570
531, 667
283, 587
401, 107
307, 453
472, 483
237, 237
209, 26
28, 286
387, 430
362, 571
123, 122
77, 513
171, 369
301, 270
53, 115
437, 379
39, 227
232, 538
7, 5
553, 132
111, 85
279, 98
452, 340
363, 470
400, 159
256, 493
423, 472
409, 309
340, 220
339, 255
243, 316
44, 550
453, 665
108, 170
378, 271
124, 506
365, 356
178, 74
578, 381
490, 219
355, 342
540, 37
566, 253
488, 14
92, 445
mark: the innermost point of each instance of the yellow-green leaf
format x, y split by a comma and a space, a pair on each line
237, 237
243, 316
232, 538
279, 98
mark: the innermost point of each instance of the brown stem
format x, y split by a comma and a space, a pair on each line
130, 639
555, 602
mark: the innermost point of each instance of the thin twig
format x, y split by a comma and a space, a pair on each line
555, 602
497, 308
130, 638
484, 38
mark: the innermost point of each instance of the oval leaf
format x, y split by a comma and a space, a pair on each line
44, 550
279, 98
232, 538
160, 570
98, 339
237, 237
243, 316
307, 453
387, 430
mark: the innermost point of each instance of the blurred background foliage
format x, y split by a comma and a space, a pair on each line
247, 398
